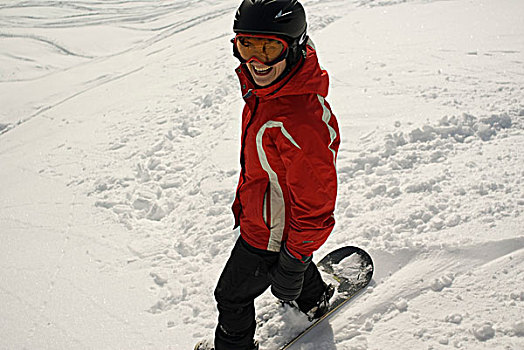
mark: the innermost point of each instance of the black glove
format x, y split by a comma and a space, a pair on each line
287, 276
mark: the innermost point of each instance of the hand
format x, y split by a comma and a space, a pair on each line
287, 277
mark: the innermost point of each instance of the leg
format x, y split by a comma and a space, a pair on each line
244, 278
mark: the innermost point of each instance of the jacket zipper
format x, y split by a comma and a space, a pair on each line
266, 206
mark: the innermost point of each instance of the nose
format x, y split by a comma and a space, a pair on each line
256, 62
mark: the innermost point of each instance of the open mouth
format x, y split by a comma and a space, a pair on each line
262, 71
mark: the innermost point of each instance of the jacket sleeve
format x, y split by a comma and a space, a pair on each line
308, 148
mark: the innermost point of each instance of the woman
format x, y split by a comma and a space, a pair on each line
288, 183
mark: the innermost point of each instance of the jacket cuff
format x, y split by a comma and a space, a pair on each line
302, 244
294, 253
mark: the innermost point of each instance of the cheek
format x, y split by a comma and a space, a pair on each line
279, 68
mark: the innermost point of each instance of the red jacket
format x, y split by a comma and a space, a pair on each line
288, 181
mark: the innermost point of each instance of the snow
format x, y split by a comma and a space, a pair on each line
119, 148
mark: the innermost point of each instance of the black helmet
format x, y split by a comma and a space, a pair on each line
280, 17
284, 18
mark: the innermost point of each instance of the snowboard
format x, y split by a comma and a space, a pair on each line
352, 268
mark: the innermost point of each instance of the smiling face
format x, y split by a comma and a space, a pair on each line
265, 75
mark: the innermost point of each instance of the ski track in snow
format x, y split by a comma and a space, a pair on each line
437, 203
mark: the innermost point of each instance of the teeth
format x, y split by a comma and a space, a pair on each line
261, 70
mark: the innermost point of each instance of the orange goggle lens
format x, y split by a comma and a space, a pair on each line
265, 49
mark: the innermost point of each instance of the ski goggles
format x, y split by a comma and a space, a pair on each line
265, 49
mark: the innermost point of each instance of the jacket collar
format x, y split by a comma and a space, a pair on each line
306, 77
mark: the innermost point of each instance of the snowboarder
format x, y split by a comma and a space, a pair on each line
288, 183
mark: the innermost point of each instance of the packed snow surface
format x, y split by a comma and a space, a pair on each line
119, 157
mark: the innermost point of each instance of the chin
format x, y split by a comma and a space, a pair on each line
263, 83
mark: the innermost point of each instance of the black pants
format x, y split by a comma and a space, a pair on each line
244, 278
